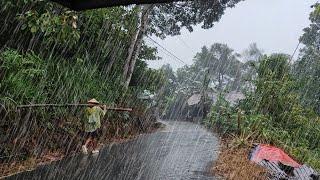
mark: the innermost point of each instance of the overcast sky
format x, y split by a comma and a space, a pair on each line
275, 25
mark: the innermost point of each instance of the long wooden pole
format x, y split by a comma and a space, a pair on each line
66, 105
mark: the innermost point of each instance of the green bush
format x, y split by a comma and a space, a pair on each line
273, 113
28, 78
22, 77
222, 116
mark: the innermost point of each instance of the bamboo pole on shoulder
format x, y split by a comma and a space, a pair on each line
71, 105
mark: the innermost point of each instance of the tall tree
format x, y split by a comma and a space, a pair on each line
307, 68
136, 44
251, 58
252, 53
219, 61
65, 31
169, 19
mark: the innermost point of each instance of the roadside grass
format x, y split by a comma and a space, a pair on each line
32, 162
233, 163
29, 136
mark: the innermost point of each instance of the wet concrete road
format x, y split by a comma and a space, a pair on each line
182, 150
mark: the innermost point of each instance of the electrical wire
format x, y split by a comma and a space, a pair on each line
169, 52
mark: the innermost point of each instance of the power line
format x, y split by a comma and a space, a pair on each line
166, 50
185, 44
170, 53
295, 50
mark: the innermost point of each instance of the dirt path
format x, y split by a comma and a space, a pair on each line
182, 150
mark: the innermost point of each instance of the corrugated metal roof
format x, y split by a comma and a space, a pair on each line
194, 99
234, 96
302, 173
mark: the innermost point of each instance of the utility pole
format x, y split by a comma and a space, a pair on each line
204, 93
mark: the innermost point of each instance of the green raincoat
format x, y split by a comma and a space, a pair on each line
93, 118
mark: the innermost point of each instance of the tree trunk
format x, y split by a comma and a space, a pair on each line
237, 80
135, 46
204, 93
130, 54
110, 64
112, 59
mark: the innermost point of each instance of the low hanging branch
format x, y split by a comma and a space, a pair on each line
70, 105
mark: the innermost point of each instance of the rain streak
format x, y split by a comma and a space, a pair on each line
80, 99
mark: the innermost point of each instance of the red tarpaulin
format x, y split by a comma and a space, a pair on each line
272, 154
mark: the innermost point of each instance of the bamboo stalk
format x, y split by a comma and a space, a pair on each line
66, 105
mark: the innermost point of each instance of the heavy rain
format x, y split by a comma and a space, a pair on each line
109, 89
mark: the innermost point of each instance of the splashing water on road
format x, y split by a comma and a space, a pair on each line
182, 150
52, 57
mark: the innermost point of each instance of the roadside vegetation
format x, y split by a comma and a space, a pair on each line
283, 108
280, 103
272, 114
52, 55
60, 75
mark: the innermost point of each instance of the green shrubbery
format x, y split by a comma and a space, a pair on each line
273, 114
21, 76
28, 78
49, 54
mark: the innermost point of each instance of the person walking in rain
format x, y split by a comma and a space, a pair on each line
92, 123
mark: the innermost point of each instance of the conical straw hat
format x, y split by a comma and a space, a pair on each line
93, 101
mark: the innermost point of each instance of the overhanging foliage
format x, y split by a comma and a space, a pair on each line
80, 5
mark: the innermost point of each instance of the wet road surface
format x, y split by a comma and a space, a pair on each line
182, 150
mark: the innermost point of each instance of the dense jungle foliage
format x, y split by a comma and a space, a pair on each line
51, 54
281, 95
283, 107
272, 113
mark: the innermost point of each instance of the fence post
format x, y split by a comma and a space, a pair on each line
239, 121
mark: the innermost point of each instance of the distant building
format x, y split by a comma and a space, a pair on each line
234, 97
196, 109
